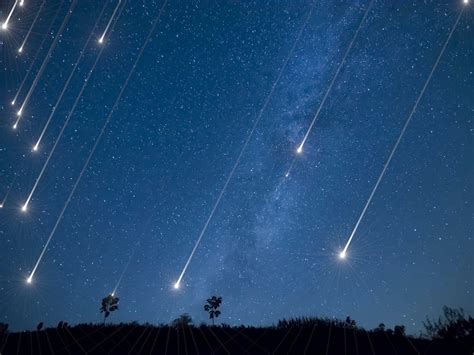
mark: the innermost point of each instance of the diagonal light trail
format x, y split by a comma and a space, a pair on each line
71, 112
20, 50
331, 84
35, 57
244, 147
7, 20
101, 39
45, 62
66, 85
299, 150
97, 141
343, 253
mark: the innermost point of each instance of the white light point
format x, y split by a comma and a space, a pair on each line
24, 207
176, 286
15, 126
13, 102
1, 205
466, 2
300, 149
20, 49
29, 280
287, 174
4, 26
22, 2
342, 255
101, 40
35, 147
18, 112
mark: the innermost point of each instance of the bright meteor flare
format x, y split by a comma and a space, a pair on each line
242, 150
402, 133
63, 128
5, 23
98, 139
66, 85
35, 57
31, 27
101, 39
46, 59
341, 64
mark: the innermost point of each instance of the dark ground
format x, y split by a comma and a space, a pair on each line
285, 338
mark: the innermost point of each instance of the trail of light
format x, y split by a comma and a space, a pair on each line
66, 85
5, 23
97, 141
66, 122
299, 150
244, 147
124, 271
35, 57
101, 39
45, 62
31, 27
2, 204
343, 253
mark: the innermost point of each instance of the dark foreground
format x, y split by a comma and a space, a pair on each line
286, 338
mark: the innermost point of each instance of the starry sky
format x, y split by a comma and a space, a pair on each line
271, 248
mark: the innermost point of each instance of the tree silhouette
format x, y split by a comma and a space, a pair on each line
184, 320
212, 307
3, 328
453, 325
399, 330
108, 304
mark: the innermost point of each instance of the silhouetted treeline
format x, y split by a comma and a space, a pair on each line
450, 334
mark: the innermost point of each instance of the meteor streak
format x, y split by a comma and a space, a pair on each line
5, 23
97, 141
74, 105
8, 192
66, 85
31, 27
34, 59
299, 150
101, 39
45, 61
124, 271
244, 147
402, 133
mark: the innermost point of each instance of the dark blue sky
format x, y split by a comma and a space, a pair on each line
271, 248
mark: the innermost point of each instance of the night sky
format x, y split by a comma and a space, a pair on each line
271, 248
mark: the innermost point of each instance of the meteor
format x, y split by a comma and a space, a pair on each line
402, 133
34, 59
8, 191
5, 23
66, 85
46, 60
341, 64
98, 139
31, 27
74, 105
124, 271
101, 39
244, 147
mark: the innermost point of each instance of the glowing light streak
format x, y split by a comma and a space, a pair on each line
244, 147
45, 61
402, 133
31, 27
98, 139
299, 150
101, 39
